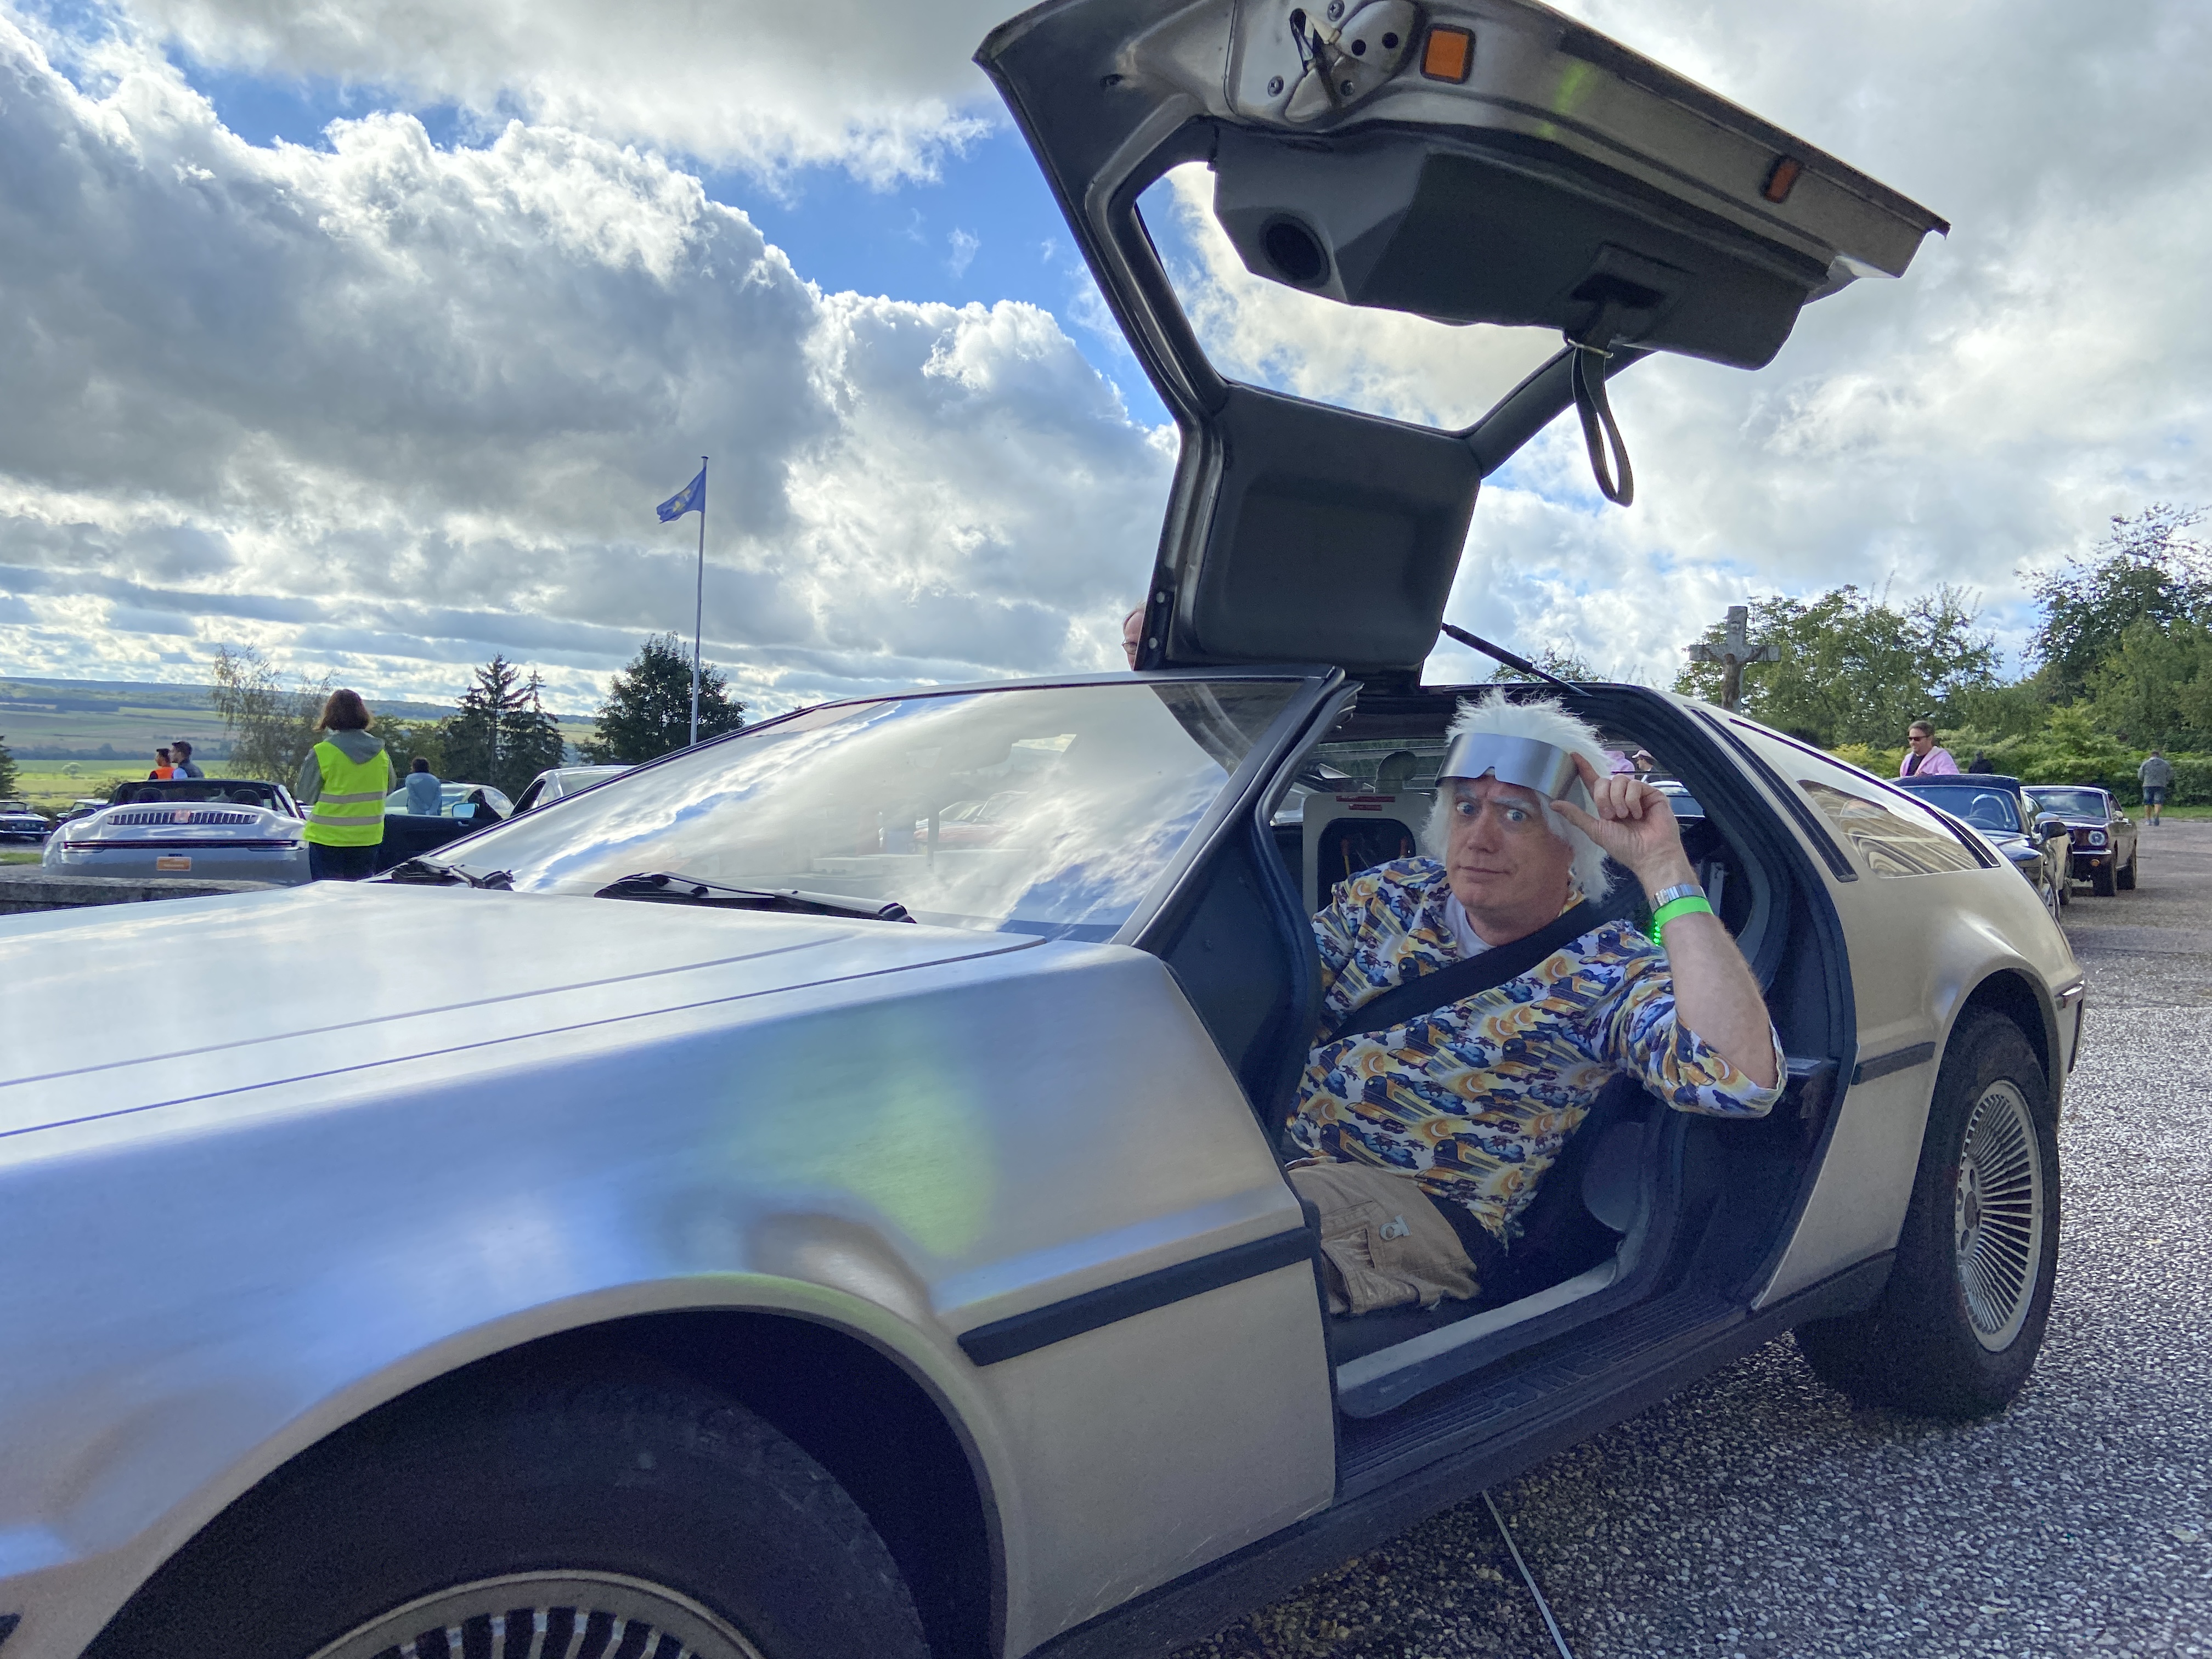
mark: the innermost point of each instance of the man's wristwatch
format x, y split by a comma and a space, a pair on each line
1667, 895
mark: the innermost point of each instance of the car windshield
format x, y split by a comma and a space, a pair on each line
1045, 810
1986, 809
237, 791
2070, 803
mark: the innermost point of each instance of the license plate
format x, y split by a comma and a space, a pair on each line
173, 861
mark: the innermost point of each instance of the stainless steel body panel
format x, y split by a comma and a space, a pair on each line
403, 1129
1919, 946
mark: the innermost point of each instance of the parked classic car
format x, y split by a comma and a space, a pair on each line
713, 1215
19, 821
2000, 807
463, 809
207, 828
556, 781
2103, 837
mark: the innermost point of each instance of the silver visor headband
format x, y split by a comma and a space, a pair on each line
1524, 761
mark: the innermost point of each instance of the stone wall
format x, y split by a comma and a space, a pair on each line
29, 892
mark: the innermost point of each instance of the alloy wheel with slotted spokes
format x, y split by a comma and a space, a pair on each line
1997, 1215
546, 1615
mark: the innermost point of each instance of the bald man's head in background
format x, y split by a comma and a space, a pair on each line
1132, 634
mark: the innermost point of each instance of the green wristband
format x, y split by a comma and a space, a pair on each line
1695, 905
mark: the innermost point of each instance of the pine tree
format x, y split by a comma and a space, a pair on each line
648, 711
7, 769
503, 736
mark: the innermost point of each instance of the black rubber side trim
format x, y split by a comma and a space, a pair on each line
7, 1623
1040, 1327
1897, 1059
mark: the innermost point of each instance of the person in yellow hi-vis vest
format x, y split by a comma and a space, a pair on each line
342, 784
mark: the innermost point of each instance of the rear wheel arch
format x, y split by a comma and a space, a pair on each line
882, 1433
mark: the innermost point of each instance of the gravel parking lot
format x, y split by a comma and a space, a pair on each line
1758, 1515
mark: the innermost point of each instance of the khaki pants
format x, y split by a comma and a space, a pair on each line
1383, 1241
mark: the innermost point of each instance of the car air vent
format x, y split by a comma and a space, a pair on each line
174, 815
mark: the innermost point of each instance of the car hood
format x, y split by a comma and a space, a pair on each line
130, 1006
1489, 162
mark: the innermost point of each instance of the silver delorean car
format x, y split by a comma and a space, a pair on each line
722, 1213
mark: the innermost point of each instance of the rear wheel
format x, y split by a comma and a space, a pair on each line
601, 1521
1958, 1327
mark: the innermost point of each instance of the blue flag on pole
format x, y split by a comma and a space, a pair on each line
692, 498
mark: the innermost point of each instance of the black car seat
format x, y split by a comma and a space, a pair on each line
1584, 1203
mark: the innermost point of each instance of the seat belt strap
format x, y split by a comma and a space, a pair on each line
1462, 980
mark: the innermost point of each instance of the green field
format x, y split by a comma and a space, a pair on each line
109, 729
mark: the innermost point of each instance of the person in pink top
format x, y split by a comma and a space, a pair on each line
1922, 758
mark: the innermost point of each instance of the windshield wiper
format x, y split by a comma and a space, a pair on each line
660, 886
423, 873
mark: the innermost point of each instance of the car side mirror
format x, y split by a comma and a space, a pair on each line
2049, 829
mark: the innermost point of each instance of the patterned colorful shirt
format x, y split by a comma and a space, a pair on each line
1479, 1096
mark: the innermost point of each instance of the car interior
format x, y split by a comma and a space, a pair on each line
1643, 1200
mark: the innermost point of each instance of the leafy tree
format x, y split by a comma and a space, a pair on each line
503, 736
406, 740
271, 727
2156, 689
647, 712
7, 768
1558, 657
1855, 669
2147, 569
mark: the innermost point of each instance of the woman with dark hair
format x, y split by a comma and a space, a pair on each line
342, 784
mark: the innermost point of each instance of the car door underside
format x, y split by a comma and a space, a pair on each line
1656, 1230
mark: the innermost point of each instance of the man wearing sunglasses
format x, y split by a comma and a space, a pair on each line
1471, 1099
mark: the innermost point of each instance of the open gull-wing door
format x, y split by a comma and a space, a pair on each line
1472, 162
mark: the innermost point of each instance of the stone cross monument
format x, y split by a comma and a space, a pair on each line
1735, 650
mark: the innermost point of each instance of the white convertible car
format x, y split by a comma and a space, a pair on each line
746, 1209
212, 829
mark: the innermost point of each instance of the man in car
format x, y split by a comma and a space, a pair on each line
1474, 1100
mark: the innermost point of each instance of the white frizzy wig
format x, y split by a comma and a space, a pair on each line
1541, 720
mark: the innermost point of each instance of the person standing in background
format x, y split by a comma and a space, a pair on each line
422, 790
342, 784
163, 769
1132, 634
183, 752
2156, 776
1922, 758
1980, 763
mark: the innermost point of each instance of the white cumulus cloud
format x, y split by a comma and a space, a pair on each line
384, 408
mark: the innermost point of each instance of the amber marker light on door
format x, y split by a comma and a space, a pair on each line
1781, 177
1447, 54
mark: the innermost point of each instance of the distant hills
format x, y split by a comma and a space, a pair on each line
128, 719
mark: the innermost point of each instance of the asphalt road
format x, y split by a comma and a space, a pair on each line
1758, 1515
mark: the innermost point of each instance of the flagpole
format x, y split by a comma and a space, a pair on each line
699, 601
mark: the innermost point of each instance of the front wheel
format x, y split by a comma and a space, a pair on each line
2100, 880
602, 1520
1958, 1327
2126, 878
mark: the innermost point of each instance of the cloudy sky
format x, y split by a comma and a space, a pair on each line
370, 333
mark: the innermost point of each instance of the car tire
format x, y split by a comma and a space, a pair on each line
1958, 1326
2126, 879
2101, 882
644, 1513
